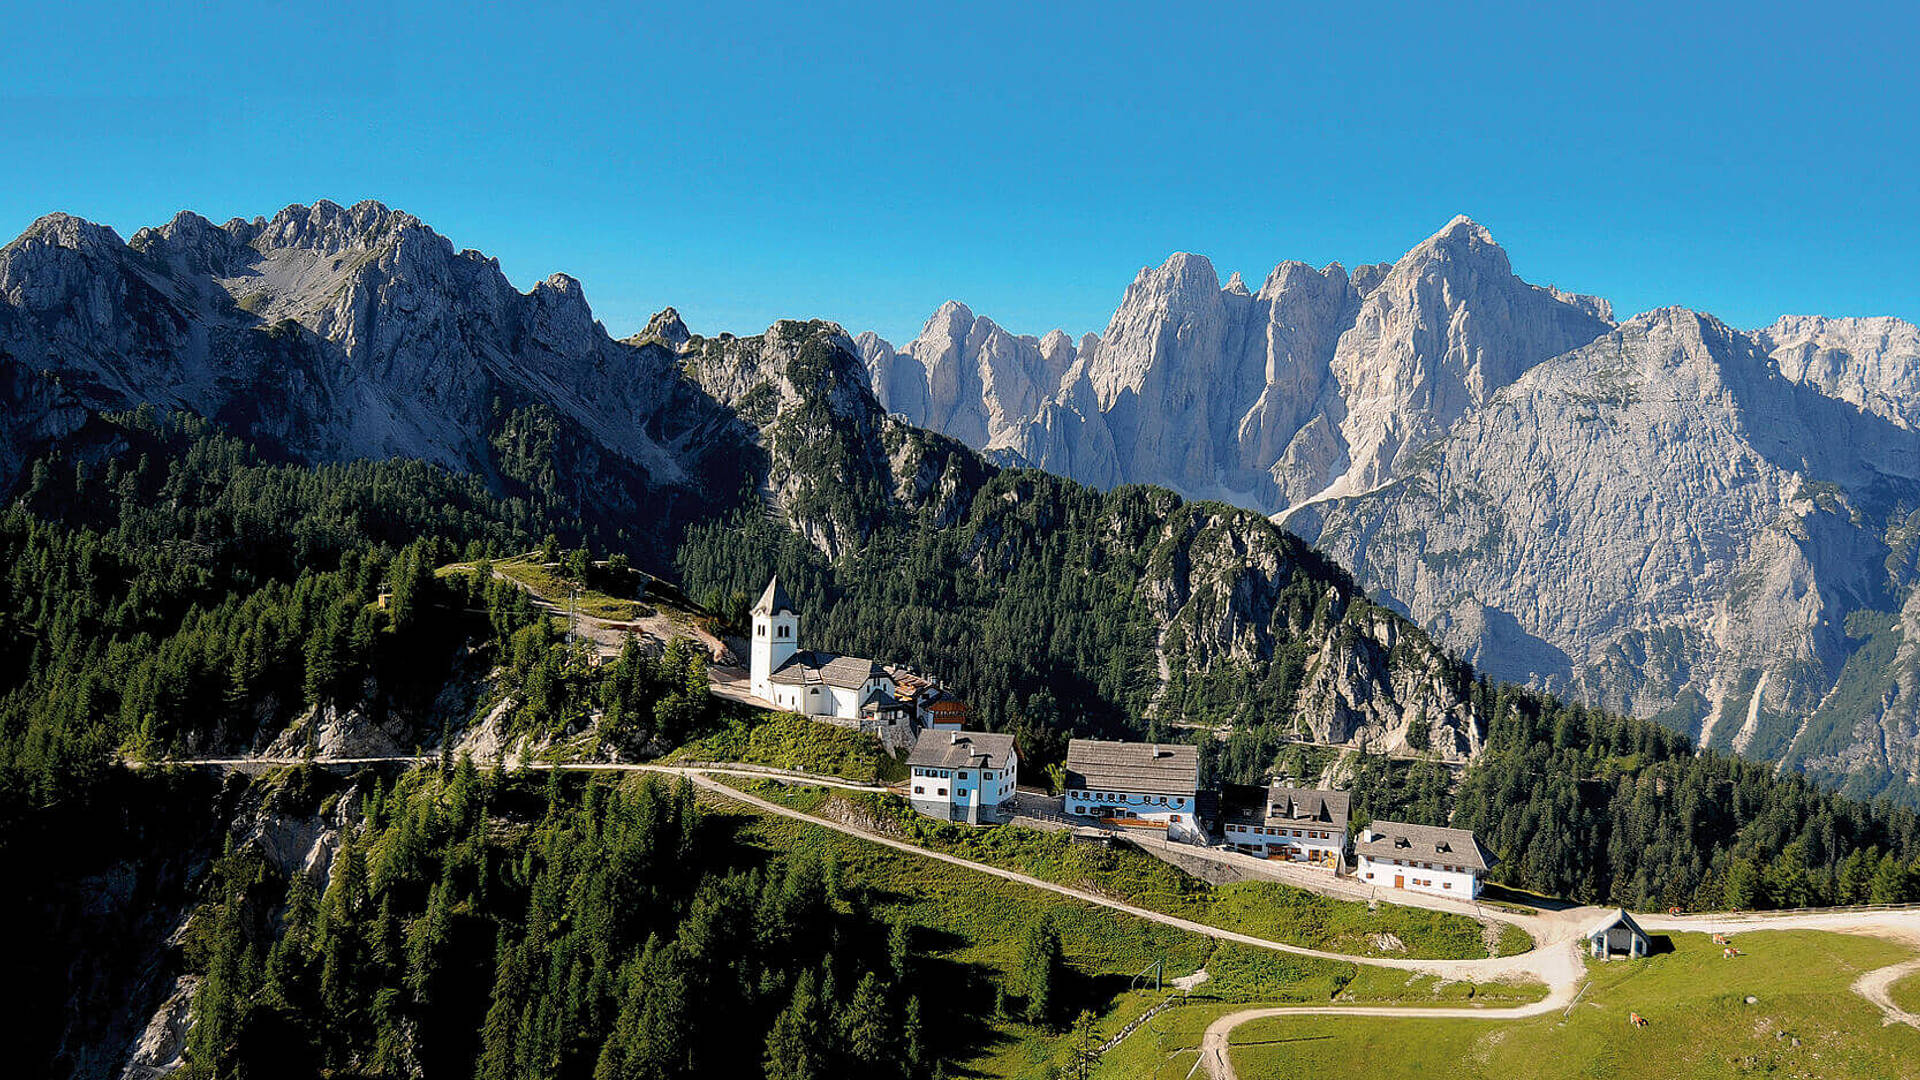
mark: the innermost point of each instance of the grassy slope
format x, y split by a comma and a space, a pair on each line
974, 923
1695, 1000
790, 741
1906, 994
543, 582
1266, 909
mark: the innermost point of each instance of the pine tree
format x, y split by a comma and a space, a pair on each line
797, 1043
1042, 970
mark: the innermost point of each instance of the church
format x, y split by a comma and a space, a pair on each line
809, 682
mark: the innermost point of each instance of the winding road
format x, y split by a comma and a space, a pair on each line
1563, 975
1555, 960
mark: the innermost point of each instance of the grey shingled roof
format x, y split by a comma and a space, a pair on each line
1277, 805
808, 666
1453, 849
1150, 768
962, 750
774, 599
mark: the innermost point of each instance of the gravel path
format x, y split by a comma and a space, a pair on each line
1874, 986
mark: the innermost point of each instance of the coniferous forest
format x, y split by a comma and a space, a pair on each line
183, 594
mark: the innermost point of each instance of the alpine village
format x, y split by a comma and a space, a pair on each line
402, 677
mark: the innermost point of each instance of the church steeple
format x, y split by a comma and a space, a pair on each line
774, 600
776, 637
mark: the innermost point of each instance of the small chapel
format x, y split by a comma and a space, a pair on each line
807, 681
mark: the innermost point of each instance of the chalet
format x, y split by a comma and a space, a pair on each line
1146, 785
1618, 935
963, 775
1426, 858
807, 681
943, 712
1294, 824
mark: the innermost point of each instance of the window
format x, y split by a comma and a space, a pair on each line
761, 630
1174, 818
942, 791
1446, 884
918, 790
1079, 809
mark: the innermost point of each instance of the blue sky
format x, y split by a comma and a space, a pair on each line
865, 162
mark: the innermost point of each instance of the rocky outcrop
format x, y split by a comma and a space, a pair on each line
1318, 385
1667, 517
332, 333
1656, 521
161, 1048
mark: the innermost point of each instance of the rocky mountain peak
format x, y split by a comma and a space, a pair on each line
329, 228
67, 231
1872, 363
667, 328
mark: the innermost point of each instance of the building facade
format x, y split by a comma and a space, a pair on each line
807, 681
963, 775
1423, 858
1141, 785
1278, 822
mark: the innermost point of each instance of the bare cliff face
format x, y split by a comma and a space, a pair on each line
1665, 516
1317, 385
330, 333
1658, 518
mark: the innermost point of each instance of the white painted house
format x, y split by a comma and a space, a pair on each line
1144, 785
963, 775
1424, 858
1296, 824
807, 681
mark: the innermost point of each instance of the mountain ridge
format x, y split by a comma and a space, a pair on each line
1365, 419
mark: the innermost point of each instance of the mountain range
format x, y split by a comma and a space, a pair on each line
1664, 515
330, 333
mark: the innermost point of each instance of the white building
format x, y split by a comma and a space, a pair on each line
1147, 785
1297, 824
806, 681
963, 775
1425, 858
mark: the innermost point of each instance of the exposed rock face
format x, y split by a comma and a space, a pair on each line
965, 376
1371, 680
159, 1052
334, 333
1871, 363
1658, 519
1668, 517
1317, 385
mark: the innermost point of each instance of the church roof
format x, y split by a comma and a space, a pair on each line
810, 666
775, 599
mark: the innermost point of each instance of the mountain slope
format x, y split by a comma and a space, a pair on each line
330, 333
1667, 517
1724, 563
1317, 385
